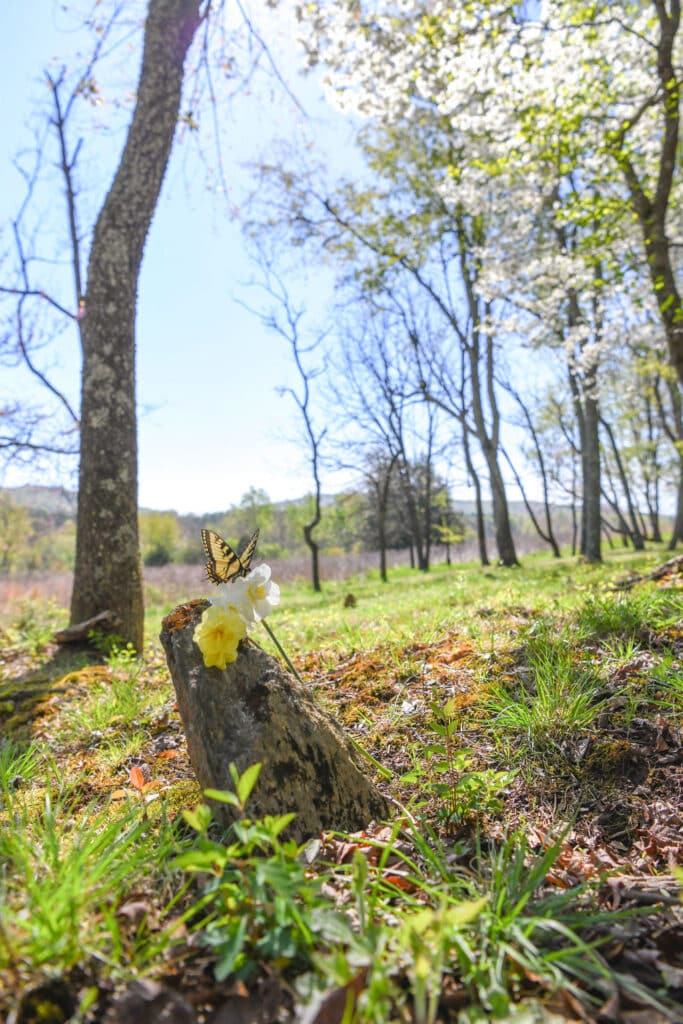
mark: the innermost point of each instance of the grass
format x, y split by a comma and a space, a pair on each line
509, 710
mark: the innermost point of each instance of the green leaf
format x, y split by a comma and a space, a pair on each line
222, 796
199, 818
247, 781
230, 950
212, 858
275, 824
465, 912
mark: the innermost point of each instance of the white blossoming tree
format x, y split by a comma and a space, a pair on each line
563, 122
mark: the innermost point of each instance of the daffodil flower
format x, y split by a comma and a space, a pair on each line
218, 634
232, 612
254, 595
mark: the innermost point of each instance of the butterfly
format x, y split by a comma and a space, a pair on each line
223, 563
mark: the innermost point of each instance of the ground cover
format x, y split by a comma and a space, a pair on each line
526, 725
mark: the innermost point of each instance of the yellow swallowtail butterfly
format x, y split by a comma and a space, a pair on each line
224, 564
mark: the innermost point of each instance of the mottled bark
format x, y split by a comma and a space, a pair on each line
586, 409
488, 436
478, 503
590, 475
677, 531
256, 711
651, 200
107, 574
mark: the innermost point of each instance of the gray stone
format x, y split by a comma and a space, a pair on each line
257, 711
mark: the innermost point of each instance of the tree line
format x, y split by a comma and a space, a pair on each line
33, 538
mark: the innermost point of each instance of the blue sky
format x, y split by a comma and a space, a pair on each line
211, 424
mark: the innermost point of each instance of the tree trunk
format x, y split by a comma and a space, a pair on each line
315, 556
501, 517
635, 530
587, 416
489, 441
382, 491
107, 574
677, 532
416, 544
479, 505
382, 530
547, 536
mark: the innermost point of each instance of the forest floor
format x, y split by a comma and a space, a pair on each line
526, 725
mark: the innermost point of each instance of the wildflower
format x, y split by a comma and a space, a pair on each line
218, 634
255, 594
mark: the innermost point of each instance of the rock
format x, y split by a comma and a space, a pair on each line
51, 1002
148, 1002
257, 711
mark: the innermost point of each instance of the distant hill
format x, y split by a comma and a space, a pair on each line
53, 500
62, 502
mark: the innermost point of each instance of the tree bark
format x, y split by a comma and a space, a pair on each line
635, 530
548, 536
107, 573
677, 531
479, 505
652, 210
381, 483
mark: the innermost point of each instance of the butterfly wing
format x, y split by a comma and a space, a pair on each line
223, 563
247, 553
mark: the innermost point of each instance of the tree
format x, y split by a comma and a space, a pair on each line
377, 473
160, 537
107, 573
15, 532
385, 419
255, 509
672, 424
284, 318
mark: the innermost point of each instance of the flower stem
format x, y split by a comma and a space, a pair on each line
281, 650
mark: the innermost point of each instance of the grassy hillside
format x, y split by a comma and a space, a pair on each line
526, 725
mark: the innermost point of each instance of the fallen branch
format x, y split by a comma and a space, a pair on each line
673, 566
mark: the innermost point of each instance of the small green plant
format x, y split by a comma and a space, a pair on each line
666, 683
627, 615
113, 704
106, 643
124, 660
61, 886
34, 623
117, 704
557, 695
19, 765
120, 749
445, 772
261, 904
